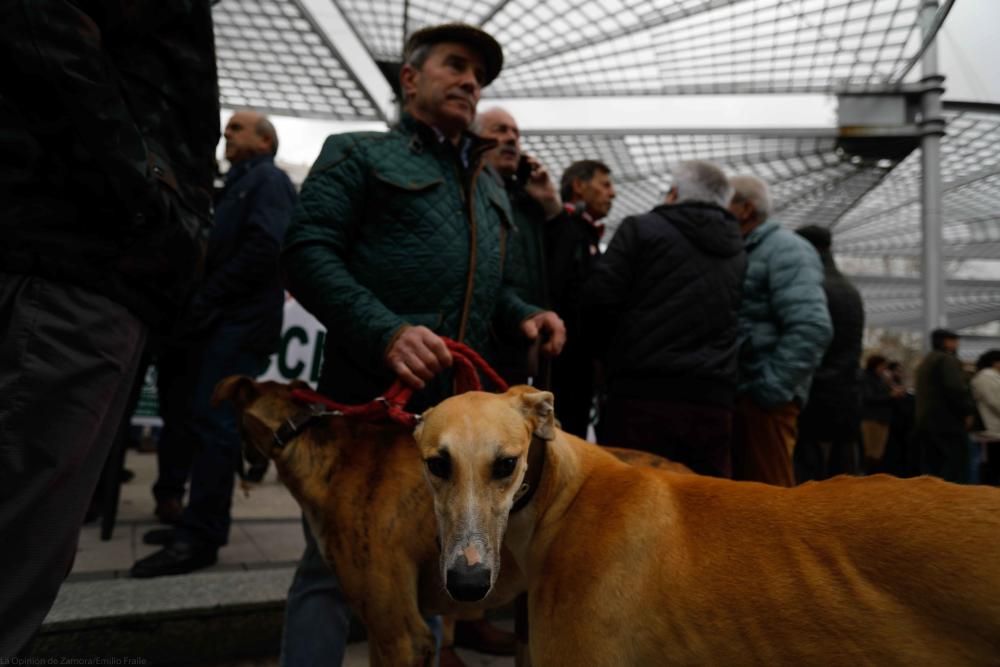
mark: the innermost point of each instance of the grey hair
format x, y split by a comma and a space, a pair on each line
265, 128
701, 181
418, 56
416, 59
755, 191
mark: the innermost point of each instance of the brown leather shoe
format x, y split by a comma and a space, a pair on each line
169, 511
482, 636
448, 658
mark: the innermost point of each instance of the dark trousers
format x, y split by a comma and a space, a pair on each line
695, 434
573, 388
199, 440
68, 357
944, 454
828, 442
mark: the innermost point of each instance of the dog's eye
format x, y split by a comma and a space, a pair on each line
439, 466
503, 468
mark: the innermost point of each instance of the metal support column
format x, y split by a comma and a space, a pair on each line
932, 129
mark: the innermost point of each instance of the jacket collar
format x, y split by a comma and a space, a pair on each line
470, 150
760, 233
243, 167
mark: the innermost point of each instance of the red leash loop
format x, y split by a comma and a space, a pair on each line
467, 365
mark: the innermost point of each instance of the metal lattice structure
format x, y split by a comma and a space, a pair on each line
812, 181
272, 56
888, 221
289, 57
897, 302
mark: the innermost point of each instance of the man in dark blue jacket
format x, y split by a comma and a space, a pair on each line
231, 326
663, 304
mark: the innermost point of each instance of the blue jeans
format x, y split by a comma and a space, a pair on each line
317, 618
199, 440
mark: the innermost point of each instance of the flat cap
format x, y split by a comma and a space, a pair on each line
479, 40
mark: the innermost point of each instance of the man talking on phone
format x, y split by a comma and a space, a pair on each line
535, 200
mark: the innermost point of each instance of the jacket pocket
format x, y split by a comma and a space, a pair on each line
398, 198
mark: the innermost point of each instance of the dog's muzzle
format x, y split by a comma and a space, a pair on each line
468, 583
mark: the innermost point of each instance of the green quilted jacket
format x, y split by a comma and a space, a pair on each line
390, 230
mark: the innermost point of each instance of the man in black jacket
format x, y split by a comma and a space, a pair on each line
572, 247
662, 307
110, 117
830, 423
231, 326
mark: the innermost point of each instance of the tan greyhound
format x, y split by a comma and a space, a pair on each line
361, 487
634, 566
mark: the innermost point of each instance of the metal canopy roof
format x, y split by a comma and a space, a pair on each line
812, 181
636, 47
285, 57
273, 56
898, 303
888, 220
277, 55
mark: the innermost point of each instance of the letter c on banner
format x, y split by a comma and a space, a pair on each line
291, 372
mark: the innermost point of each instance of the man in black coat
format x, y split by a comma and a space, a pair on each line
110, 115
662, 308
830, 423
572, 247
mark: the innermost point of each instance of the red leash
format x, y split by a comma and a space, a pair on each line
467, 366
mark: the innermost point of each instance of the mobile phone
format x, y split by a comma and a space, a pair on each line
523, 170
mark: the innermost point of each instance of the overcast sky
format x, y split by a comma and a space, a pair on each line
969, 49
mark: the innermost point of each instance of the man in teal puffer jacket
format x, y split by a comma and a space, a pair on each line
784, 330
398, 240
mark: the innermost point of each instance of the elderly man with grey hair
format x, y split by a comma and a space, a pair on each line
662, 305
784, 330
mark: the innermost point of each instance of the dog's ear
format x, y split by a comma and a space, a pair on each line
419, 428
537, 408
239, 389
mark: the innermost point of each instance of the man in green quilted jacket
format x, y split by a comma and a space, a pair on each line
398, 240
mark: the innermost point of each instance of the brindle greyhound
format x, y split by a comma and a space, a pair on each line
361, 487
635, 566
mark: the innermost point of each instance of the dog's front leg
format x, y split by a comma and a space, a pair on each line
398, 635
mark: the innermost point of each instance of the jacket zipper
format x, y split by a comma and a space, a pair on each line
468, 193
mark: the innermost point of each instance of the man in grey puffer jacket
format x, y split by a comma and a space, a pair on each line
784, 329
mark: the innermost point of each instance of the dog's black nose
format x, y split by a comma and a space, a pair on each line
468, 583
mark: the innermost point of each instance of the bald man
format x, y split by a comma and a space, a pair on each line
231, 327
534, 200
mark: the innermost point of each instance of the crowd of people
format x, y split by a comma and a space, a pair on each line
703, 330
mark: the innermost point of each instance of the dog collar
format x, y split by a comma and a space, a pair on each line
294, 425
536, 461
